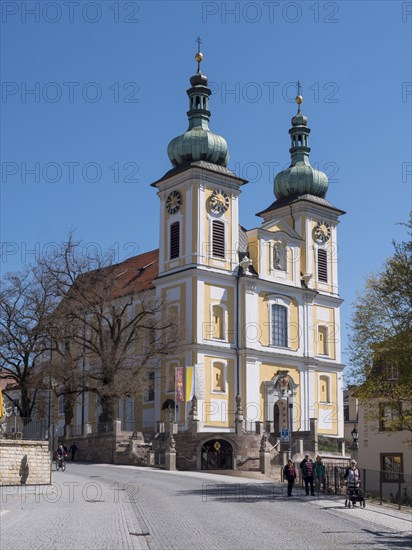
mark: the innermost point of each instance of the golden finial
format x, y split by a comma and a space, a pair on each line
199, 55
299, 97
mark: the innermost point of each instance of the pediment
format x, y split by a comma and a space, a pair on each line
281, 229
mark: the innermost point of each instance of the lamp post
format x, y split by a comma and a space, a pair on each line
290, 420
355, 443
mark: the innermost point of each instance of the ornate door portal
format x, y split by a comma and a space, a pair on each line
217, 454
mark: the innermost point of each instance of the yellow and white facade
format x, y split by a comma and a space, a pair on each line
259, 308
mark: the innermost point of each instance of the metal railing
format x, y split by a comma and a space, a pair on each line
381, 486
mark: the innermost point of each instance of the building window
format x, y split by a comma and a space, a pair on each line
218, 239
151, 387
279, 326
173, 320
324, 389
218, 322
389, 417
392, 373
322, 265
392, 467
323, 340
170, 381
218, 377
174, 240
60, 405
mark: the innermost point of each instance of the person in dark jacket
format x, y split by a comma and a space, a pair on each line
320, 474
308, 472
289, 473
73, 449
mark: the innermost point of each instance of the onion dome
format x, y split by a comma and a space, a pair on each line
199, 142
300, 178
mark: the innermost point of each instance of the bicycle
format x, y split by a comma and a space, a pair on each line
60, 463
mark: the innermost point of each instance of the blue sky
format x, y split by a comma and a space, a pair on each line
109, 81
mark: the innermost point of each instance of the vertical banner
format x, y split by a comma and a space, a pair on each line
180, 394
190, 383
2, 411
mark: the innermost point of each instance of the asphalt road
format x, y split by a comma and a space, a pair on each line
98, 507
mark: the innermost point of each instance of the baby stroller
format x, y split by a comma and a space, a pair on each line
354, 494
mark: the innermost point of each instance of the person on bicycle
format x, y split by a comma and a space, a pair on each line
61, 453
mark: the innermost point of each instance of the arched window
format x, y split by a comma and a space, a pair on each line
218, 377
324, 389
174, 240
218, 322
279, 326
323, 340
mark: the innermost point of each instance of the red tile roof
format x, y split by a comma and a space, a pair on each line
136, 273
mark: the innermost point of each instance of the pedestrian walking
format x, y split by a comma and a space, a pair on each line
73, 449
352, 475
320, 474
308, 471
289, 473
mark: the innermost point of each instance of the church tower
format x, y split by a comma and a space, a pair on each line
199, 248
295, 301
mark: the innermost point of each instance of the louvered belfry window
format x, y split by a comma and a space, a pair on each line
218, 239
322, 265
174, 240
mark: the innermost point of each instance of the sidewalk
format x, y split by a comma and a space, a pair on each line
44, 516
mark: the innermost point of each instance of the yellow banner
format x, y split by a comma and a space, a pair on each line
190, 383
2, 411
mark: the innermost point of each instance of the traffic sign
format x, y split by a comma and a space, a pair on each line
284, 434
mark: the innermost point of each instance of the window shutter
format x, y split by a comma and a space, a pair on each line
174, 240
322, 265
218, 239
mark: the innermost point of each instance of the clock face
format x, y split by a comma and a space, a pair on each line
173, 202
322, 231
219, 201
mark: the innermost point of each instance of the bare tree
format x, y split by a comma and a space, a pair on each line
26, 300
108, 328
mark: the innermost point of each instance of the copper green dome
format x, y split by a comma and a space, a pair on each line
199, 142
300, 178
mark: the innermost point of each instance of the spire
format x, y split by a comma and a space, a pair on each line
300, 178
199, 142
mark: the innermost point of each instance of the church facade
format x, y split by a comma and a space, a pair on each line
260, 307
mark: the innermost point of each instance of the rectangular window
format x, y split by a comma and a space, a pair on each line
218, 377
322, 265
279, 326
392, 467
218, 239
323, 340
151, 387
60, 405
171, 377
389, 417
174, 240
392, 373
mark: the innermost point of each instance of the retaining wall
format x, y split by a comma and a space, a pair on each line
24, 462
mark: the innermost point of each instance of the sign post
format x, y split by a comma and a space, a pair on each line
284, 435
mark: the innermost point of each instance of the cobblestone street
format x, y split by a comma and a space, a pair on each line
98, 507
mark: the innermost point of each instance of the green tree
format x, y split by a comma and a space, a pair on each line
381, 335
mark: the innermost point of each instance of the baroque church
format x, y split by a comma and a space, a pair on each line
260, 307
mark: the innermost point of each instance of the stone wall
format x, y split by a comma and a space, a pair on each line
24, 462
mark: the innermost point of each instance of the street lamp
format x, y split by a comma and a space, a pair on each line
355, 443
355, 435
